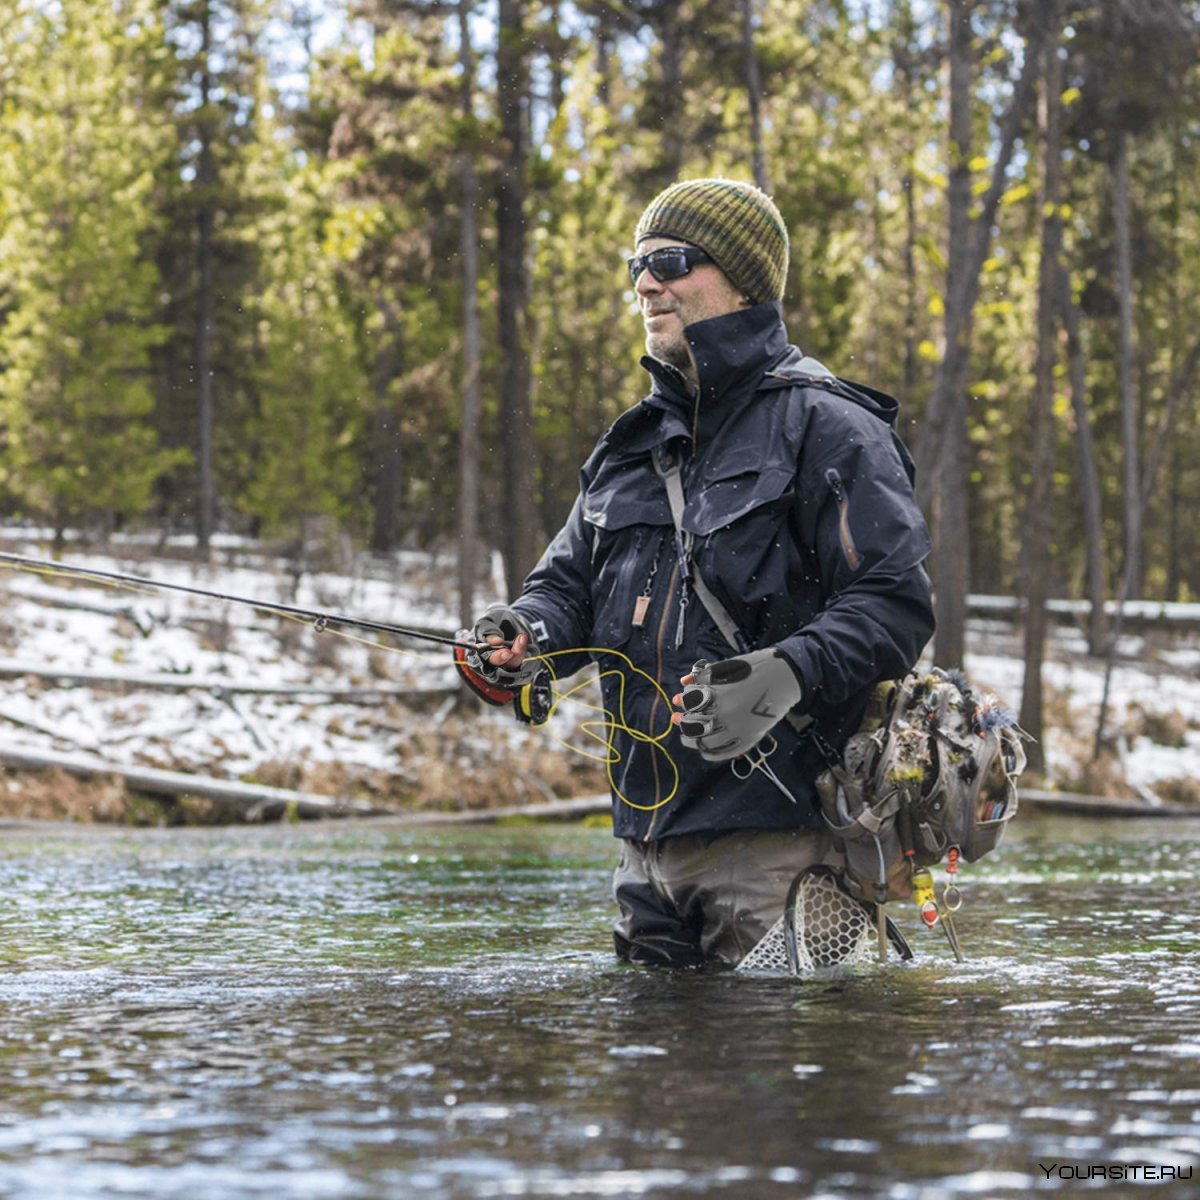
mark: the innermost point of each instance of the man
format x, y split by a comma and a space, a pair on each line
794, 569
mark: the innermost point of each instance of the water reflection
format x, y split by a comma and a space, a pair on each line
357, 1011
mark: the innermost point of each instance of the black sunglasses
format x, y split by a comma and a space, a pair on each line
671, 262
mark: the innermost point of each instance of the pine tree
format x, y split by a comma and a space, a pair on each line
307, 378
207, 261
79, 152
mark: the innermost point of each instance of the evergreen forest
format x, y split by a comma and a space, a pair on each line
314, 269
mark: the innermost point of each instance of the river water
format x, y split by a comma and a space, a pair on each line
365, 1010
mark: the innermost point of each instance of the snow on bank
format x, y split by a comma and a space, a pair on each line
420, 746
410, 744
1162, 683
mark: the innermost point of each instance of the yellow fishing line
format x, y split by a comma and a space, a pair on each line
613, 723
603, 731
81, 573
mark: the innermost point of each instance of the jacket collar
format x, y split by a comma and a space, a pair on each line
728, 350
732, 353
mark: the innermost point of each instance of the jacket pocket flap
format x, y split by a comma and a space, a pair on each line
728, 499
619, 499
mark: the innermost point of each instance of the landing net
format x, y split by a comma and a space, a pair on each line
831, 930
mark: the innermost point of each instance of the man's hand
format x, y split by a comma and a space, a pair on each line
514, 660
729, 706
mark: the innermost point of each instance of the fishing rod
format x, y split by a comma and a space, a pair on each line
320, 620
533, 702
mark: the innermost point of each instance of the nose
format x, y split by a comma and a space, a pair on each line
647, 285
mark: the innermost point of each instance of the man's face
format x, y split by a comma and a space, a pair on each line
669, 307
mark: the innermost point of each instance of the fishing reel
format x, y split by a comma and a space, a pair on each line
533, 701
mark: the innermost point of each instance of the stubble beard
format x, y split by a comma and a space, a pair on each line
671, 349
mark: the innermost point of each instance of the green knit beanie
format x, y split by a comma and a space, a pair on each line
735, 223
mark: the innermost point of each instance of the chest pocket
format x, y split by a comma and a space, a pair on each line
747, 550
628, 510
736, 493
617, 499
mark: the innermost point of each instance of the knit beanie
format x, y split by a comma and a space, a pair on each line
736, 224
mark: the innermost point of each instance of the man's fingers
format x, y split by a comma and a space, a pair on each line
503, 656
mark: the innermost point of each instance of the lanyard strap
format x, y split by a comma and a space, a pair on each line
668, 470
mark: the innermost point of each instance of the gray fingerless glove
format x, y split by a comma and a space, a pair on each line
731, 705
505, 622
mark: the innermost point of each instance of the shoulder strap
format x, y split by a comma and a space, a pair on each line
668, 470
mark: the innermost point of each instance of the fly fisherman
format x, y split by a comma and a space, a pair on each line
750, 529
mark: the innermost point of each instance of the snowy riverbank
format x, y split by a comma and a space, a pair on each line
188, 684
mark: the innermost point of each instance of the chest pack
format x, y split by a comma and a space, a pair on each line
931, 775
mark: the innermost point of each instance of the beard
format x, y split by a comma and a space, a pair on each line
671, 348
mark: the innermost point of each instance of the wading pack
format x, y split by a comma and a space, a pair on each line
931, 775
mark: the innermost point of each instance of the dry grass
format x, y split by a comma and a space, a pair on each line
213, 633
460, 765
1059, 713
56, 795
1184, 790
1162, 728
1102, 777
380, 664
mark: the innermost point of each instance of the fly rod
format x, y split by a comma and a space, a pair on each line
320, 620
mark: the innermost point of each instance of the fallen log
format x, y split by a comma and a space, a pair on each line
585, 806
11, 668
256, 799
142, 618
560, 810
46, 730
1101, 806
1159, 614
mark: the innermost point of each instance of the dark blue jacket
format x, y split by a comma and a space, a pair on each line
799, 497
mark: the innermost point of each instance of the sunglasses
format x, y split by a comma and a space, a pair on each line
671, 262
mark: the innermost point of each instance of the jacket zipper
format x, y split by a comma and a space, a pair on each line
658, 649
847, 538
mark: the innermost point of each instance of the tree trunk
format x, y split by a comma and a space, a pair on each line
1175, 527
1179, 387
1131, 474
1039, 514
386, 482
385, 499
512, 68
468, 445
951, 565
938, 478
902, 58
671, 96
205, 298
1089, 474
943, 451
1179, 390
604, 40
754, 96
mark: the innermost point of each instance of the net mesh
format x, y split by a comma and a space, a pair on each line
832, 930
